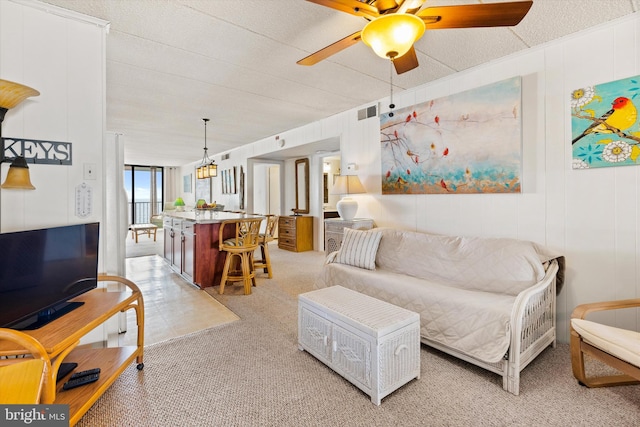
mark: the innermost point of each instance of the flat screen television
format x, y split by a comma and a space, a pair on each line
40, 270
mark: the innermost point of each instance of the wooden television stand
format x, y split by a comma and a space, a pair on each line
61, 337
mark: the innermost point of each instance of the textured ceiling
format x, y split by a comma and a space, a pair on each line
171, 63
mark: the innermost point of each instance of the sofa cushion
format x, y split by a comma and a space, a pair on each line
621, 343
486, 264
472, 322
359, 248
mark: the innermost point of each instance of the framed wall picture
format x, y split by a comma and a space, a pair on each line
241, 190
233, 180
223, 181
186, 183
203, 189
468, 142
228, 179
604, 123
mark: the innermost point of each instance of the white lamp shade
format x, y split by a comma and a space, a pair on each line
348, 184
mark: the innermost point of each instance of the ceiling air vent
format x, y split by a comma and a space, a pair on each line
225, 156
365, 113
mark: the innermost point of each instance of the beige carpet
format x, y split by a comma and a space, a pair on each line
251, 373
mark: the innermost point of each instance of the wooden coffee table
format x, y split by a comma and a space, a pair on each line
147, 229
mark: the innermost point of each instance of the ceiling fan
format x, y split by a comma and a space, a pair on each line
406, 18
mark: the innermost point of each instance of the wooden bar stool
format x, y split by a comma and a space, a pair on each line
269, 235
242, 246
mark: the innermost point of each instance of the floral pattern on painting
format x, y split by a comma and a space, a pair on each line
604, 125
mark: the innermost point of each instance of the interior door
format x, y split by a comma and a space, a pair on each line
273, 201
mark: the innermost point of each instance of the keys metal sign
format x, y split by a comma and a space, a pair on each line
36, 151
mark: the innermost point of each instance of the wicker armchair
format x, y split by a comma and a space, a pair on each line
618, 348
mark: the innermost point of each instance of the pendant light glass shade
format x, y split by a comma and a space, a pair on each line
18, 176
391, 36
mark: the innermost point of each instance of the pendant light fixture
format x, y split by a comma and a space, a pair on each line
208, 168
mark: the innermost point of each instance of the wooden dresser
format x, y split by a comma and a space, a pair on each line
295, 233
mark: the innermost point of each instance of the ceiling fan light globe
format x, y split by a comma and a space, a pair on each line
392, 36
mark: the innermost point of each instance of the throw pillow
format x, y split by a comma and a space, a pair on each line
359, 248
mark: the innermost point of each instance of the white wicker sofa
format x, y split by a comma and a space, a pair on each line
491, 302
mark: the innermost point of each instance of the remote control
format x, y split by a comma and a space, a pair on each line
84, 373
80, 381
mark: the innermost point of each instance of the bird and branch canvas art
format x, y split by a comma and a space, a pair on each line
469, 142
604, 125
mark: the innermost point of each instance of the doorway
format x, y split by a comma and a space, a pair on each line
266, 188
143, 185
330, 170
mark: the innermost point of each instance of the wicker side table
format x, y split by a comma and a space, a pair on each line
373, 344
334, 231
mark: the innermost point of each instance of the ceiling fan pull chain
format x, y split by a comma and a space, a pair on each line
391, 105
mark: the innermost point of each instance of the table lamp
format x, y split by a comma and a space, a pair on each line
347, 184
179, 204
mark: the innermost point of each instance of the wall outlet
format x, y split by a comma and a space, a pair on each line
351, 167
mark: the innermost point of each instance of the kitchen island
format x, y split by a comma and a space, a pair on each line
191, 244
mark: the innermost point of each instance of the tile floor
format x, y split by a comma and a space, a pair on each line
173, 307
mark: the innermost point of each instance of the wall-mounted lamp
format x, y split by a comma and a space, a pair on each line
347, 184
12, 94
208, 168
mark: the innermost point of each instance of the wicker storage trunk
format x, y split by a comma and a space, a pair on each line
373, 344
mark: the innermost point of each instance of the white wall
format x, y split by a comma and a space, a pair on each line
64, 60
61, 55
591, 217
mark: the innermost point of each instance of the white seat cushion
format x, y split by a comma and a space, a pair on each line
621, 343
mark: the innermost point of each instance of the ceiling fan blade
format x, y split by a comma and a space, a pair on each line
475, 15
410, 6
353, 7
332, 49
406, 62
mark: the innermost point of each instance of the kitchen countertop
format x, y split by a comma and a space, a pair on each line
209, 216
